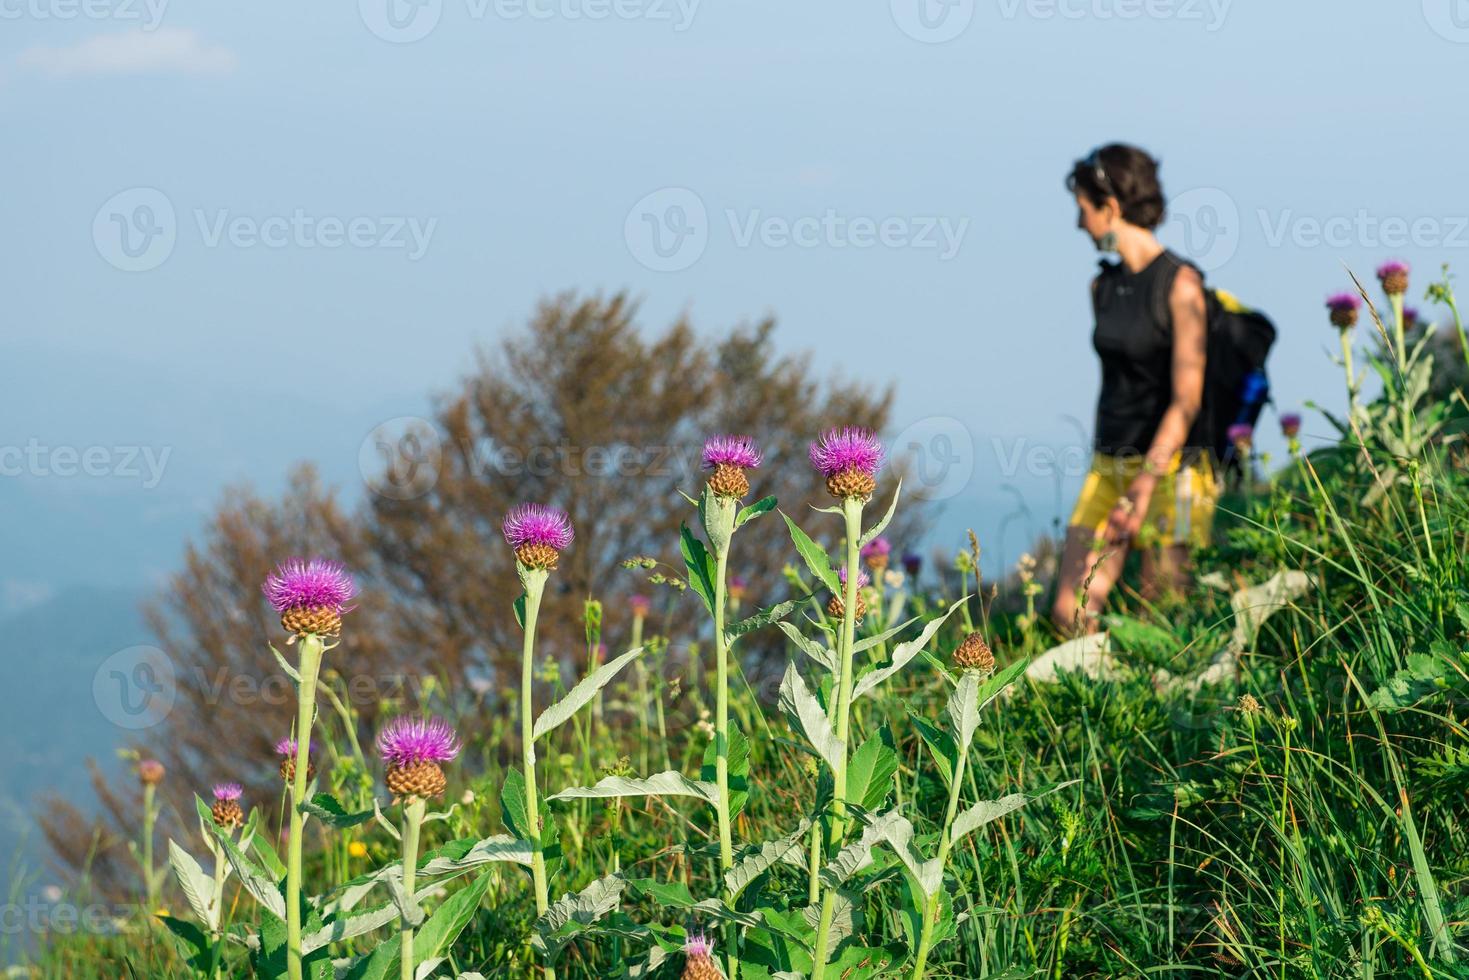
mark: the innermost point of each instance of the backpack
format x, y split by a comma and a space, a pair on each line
1236, 387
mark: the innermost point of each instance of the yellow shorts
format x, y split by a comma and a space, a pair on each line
1181, 510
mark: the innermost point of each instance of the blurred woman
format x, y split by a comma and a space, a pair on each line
1151, 484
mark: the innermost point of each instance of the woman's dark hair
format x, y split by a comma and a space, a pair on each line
1126, 173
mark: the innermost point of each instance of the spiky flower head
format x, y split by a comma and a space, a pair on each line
1290, 424
1249, 704
150, 772
738, 587
286, 749
875, 554
226, 810
1343, 307
639, 604
413, 749
849, 458
974, 654
310, 595
912, 563
837, 606
729, 457
538, 534
1410, 317
1242, 435
698, 951
1394, 277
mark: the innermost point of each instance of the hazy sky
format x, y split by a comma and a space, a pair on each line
242, 235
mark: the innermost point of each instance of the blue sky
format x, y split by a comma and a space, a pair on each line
359, 193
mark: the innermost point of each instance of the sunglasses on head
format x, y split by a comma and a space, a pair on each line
1093, 162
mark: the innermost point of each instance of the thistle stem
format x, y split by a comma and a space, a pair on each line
412, 820
309, 669
150, 817
852, 511
535, 583
931, 907
1346, 357
721, 737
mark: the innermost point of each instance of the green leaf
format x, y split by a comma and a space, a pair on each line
197, 887
512, 804
973, 693
560, 712
754, 510
520, 610
982, 813
575, 912
285, 665
813, 555
326, 808
739, 769
437, 935
765, 857
870, 772
903, 653
661, 784
718, 516
877, 528
819, 652
1421, 676
700, 565
764, 617
940, 745
262, 889
868, 642
380, 964
898, 832
809, 718
197, 947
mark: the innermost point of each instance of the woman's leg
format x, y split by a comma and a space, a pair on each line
1087, 573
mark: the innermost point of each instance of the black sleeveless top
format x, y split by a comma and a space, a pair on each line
1136, 350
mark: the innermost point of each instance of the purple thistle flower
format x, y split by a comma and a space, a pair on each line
1410, 316
862, 579
1240, 433
406, 741
1290, 424
879, 547
639, 604
538, 524
845, 450
738, 586
698, 945
150, 772
731, 451
1343, 308
1394, 277
912, 562
228, 791
320, 582
288, 746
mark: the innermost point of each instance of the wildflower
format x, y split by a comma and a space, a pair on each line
226, 810
357, 849
738, 587
836, 608
875, 554
698, 951
1242, 436
1410, 317
912, 563
150, 772
1249, 705
1343, 307
729, 457
286, 749
849, 458
639, 605
1026, 567
1290, 425
622, 767
893, 578
538, 534
974, 654
1394, 277
310, 595
413, 749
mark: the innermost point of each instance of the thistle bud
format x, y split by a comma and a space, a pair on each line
286, 748
699, 963
1343, 308
849, 458
1394, 277
837, 607
413, 749
875, 554
150, 772
538, 534
974, 654
729, 457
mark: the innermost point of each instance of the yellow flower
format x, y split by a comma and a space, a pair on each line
357, 849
